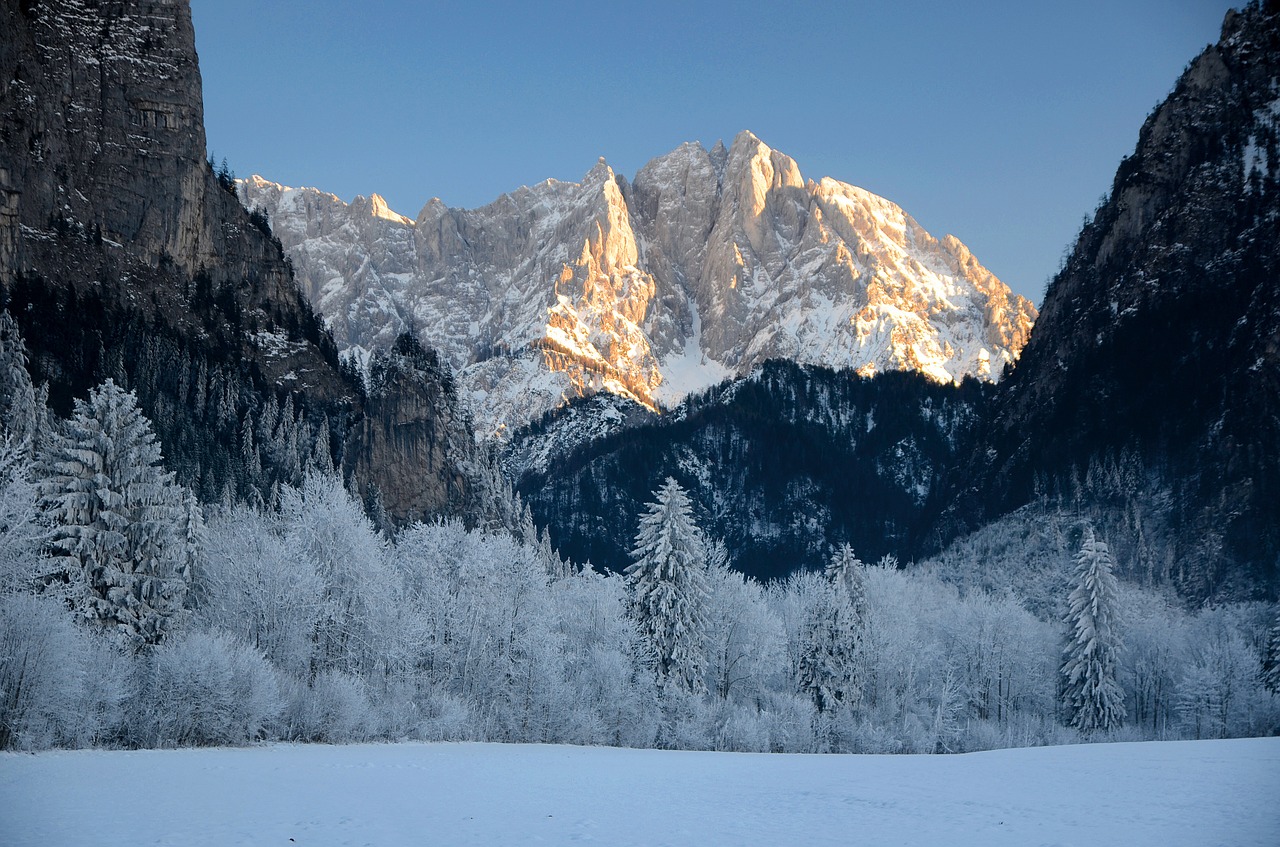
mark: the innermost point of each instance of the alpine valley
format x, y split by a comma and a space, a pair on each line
716, 457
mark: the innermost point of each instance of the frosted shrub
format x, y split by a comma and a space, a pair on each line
444, 717
206, 689
334, 708
740, 728
785, 719
49, 691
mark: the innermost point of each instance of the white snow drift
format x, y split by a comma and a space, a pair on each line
1164, 794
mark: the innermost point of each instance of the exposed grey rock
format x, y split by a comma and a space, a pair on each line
705, 266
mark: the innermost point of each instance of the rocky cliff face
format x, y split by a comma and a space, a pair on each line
1156, 359
410, 422
104, 175
123, 254
708, 264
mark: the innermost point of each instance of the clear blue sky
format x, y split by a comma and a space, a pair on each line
999, 122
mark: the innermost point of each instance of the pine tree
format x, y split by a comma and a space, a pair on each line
845, 570
125, 530
668, 585
23, 414
1271, 661
1091, 695
832, 634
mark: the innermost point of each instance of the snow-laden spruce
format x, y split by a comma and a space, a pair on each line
668, 582
833, 620
1091, 695
845, 570
21, 405
124, 528
1271, 660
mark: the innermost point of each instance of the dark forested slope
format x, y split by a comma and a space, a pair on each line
1158, 344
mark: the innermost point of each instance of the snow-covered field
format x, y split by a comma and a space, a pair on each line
1168, 793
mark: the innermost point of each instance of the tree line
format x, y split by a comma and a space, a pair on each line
132, 616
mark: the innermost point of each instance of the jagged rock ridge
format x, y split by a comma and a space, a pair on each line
710, 263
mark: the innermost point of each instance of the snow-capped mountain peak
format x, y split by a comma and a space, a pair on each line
707, 264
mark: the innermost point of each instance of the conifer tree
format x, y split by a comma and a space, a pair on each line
832, 634
125, 530
824, 665
1091, 695
668, 584
1271, 661
845, 570
23, 413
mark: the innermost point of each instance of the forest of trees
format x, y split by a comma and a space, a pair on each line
132, 616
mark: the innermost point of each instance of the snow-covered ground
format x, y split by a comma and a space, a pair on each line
1168, 793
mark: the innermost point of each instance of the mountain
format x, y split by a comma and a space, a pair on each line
1151, 384
1147, 400
782, 465
709, 263
124, 254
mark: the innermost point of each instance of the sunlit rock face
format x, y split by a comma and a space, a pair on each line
711, 262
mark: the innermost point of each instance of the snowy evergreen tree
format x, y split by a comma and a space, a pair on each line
668, 584
845, 570
23, 413
1091, 694
118, 519
21, 530
1271, 660
828, 639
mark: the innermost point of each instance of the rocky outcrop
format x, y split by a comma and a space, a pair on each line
106, 184
711, 262
409, 424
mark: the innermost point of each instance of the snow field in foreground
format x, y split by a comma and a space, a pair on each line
1158, 793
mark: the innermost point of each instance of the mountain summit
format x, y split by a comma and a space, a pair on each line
709, 263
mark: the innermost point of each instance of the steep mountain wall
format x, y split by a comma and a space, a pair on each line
1158, 345
124, 254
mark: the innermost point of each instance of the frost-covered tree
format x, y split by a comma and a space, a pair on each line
322, 521
668, 582
1271, 660
825, 669
21, 529
117, 518
832, 625
745, 639
1090, 693
23, 413
258, 587
846, 571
